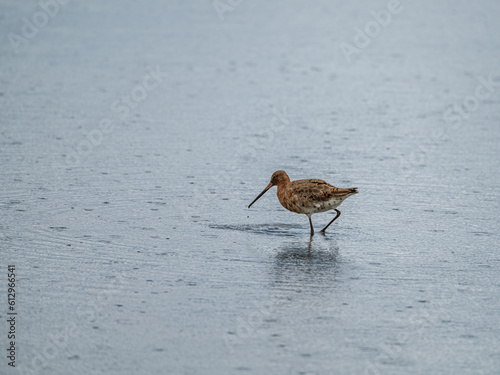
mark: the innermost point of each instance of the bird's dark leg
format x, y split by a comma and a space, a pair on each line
335, 218
311, 224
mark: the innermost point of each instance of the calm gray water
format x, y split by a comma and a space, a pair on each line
134, 135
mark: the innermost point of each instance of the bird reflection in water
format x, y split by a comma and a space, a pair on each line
307, 259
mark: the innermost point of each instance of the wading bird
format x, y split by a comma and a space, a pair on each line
307, 196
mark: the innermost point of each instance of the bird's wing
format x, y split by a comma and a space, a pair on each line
318, 190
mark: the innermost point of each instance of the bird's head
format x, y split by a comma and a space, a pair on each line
278, 177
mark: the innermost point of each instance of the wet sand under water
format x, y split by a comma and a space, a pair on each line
139, 255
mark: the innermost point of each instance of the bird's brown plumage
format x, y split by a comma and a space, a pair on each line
311, 195
307, 196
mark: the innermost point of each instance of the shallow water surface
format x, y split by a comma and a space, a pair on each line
134, 247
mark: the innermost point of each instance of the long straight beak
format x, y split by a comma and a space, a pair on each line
261, 194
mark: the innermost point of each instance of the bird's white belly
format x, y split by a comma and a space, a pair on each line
324, 206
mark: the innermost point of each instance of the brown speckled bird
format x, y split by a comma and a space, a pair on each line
307, 196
